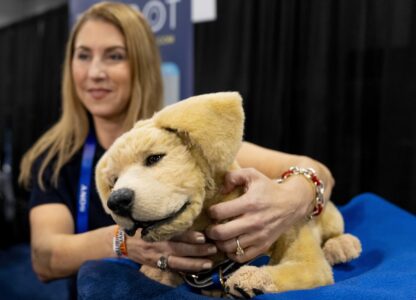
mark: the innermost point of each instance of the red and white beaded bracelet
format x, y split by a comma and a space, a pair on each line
310, 174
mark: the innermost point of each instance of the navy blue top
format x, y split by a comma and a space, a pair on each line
66, 190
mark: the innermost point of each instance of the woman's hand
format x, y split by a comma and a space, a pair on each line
185, 252
260, 215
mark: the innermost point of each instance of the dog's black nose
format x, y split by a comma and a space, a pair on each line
121, 201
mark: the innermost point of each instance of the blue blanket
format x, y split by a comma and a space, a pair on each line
385, 270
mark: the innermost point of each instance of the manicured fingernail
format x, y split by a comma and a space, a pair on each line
200, 238
207, 265
212, 250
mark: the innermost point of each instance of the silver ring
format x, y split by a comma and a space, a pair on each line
239, 251
162, 263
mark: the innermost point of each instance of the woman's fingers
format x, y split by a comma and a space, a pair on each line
240, 177
188, 264
230, 209
193, 237
249, 253
247, 202
184, 256
246, 240
234, 228
190, 250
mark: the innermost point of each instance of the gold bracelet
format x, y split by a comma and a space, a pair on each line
310, 174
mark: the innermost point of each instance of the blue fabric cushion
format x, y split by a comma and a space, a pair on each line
385, 270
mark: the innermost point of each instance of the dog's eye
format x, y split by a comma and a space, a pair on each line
113, 181
153, 159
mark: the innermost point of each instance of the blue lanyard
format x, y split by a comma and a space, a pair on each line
84, 185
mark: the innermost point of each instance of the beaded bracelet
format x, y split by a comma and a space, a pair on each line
119, 242
310, 174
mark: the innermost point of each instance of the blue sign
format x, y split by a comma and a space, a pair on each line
171, 23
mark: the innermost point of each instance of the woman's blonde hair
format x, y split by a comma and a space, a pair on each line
68, 135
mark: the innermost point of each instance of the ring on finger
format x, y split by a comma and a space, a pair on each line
239, 251
162, 263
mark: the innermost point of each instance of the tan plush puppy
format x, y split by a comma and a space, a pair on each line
163, 174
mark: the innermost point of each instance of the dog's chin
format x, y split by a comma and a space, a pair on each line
167, 231
152, 230
157, 235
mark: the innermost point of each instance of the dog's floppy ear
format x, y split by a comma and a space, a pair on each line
213, 122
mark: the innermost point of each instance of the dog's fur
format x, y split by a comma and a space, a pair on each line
175, 164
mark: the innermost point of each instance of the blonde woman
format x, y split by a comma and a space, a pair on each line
111, 79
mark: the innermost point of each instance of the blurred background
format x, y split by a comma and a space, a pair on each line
334, 80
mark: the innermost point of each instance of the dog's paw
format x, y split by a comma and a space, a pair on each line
342, 249
250, 281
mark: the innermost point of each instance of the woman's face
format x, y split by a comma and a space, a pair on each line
101, 71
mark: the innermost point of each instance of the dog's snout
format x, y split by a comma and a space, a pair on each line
121, 201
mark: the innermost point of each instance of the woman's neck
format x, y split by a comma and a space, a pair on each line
107, 131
